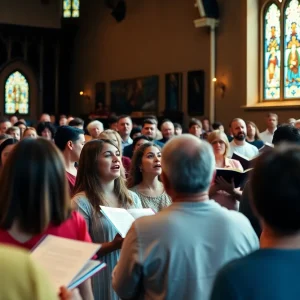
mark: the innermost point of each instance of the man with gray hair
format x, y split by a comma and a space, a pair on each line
177, 253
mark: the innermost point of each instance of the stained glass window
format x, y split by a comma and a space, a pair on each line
75, 8
292, 50
71, 8
272, 52
16, 94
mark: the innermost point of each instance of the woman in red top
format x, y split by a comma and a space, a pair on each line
35, 199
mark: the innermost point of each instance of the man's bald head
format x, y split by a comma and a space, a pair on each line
167, 129
188, 164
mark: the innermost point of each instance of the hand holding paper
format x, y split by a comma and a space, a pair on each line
122, 219
67, 261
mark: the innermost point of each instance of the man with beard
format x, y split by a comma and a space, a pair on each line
239, 144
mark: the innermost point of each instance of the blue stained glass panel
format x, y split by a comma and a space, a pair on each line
67, 8
75, 8
292, 50
271, 83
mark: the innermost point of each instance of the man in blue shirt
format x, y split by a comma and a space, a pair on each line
273, 271
124, 126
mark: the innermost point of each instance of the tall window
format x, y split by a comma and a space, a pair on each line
281, 71
71, 8
16, 94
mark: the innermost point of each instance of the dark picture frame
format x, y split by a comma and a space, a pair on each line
100, 94
173, 86
196, 93
134, 95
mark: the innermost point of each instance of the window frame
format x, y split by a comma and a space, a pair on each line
71, 10
262, 63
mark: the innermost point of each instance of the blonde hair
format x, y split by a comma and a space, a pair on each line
108, 133
217, 134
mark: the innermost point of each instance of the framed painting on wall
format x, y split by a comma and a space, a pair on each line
100, 95
134, 95
173, 92
196, 92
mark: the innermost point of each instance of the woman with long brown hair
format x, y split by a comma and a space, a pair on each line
253, 135
99, 182
114, 136
144, 177
35, 199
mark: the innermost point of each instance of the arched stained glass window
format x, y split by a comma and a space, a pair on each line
272, 52
292, 50
16, 94
71, 8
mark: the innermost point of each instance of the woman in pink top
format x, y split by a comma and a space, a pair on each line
35, 199
221, 191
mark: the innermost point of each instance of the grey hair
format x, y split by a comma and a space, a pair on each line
188, 163
93, 123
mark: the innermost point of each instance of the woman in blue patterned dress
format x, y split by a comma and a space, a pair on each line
99, 182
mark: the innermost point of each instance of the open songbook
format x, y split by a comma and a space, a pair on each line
248, 163
122, 219
267, 146
238, 176
67, 262
245, 161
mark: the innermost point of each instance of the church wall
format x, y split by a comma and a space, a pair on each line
158, 37
37, 13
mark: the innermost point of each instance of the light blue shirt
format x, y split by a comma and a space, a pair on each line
126, 143
177, 253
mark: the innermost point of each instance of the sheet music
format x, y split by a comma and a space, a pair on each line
119, 217
63, 258
141, 212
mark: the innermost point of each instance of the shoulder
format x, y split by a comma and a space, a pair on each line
128, 147
252, 147
158, 143
264, 132
77, 218
28, 273
236, 222
241, 266
234, 163
127, 151
232, 144
240, 230
234, 217
126, 159
80, 200
136, 199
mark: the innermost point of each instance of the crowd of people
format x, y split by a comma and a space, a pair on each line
208, 238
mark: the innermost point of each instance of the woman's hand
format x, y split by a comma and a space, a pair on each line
117, 242
108, 247
65, 294
225, 185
